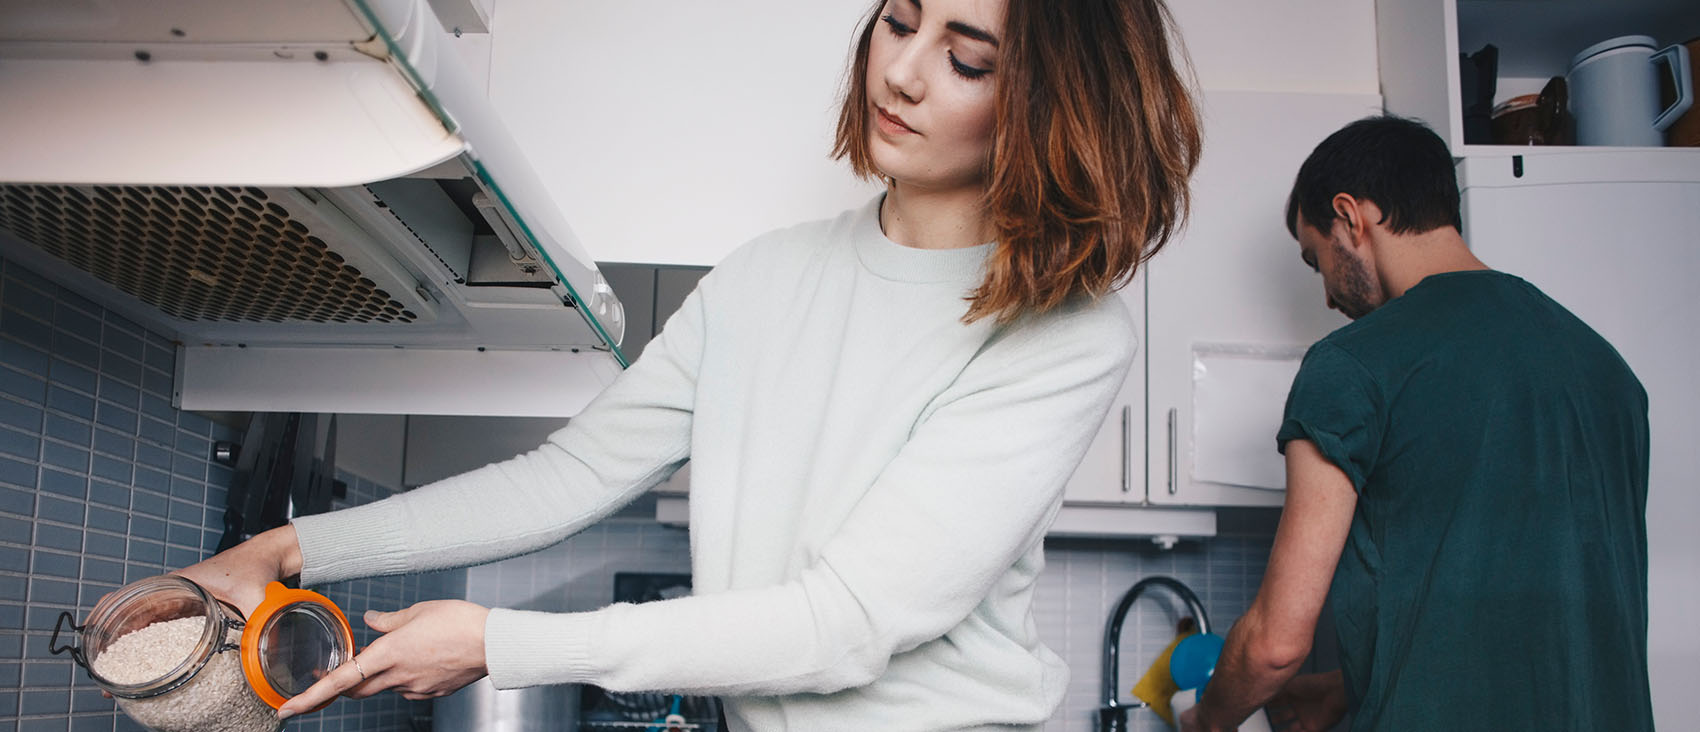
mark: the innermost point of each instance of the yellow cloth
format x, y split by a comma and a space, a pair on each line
1156, 686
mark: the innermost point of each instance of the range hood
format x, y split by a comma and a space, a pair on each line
313, 198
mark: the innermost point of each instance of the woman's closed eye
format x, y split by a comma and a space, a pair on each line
964, 70
967, 71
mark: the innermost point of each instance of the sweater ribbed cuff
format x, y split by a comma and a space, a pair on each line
524, 648
364, 541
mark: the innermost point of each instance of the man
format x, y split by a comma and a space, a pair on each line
1467, 461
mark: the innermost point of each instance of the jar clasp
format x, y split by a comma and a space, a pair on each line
53, 646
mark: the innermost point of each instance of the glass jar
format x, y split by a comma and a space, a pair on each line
233, 673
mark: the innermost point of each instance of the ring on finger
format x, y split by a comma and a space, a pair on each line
357, 668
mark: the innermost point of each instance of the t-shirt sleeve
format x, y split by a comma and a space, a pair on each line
1337, 405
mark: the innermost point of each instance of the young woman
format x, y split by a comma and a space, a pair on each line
881, 409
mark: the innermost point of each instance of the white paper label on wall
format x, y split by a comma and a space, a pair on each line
1238, 395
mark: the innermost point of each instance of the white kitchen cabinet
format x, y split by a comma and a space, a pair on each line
1223, 316
1231, 307
1418, 42
1113, 470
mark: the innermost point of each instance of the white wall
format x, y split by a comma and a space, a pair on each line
673, 131
1320, 46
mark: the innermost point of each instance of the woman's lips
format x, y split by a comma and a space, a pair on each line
892, 124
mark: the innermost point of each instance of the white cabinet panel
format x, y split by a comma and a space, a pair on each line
1113, 470
1233, 280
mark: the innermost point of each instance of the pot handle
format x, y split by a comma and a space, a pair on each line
1553, 109
1682, 76
53, 646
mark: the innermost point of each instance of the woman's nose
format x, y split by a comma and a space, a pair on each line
902, 75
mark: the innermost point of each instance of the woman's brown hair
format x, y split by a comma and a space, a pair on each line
1096, 137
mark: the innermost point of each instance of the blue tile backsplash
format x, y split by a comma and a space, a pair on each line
102, 483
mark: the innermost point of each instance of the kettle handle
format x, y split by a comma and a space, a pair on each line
1682, 76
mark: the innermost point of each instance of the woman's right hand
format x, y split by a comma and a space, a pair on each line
239, 575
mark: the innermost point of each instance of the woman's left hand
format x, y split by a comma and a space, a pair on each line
427, 650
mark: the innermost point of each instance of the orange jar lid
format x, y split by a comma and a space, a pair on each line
293, 639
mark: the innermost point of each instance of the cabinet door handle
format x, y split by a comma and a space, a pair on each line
1127, 465
1172, 461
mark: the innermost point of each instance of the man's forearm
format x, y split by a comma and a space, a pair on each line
1270, 642
1244, 679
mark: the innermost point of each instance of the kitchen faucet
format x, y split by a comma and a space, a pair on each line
1112, 716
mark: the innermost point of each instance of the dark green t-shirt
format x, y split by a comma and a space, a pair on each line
1495, 575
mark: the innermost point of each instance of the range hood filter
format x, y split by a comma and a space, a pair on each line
201, 253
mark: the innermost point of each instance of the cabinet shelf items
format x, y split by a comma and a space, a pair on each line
1418, 43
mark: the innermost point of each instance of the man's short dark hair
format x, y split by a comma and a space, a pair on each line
1398, 163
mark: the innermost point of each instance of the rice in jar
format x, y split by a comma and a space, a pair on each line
177, 659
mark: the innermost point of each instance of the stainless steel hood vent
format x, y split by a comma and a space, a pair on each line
315, 199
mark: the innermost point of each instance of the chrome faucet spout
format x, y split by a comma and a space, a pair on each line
1112, 716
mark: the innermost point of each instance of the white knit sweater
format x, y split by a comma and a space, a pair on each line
870, 488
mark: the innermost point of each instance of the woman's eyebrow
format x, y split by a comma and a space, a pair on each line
971, 32
964, 29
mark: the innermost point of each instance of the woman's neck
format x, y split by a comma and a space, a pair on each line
932, 219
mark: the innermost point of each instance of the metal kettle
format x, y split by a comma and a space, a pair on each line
1614, 91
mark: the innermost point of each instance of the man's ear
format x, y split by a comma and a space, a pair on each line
1357, 216
1346, 212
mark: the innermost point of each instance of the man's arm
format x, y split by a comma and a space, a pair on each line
1267, 645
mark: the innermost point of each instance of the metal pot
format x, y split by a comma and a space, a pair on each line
481, 707
1535, 119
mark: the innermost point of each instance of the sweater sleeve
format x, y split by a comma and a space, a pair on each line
973, 490
632, 436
